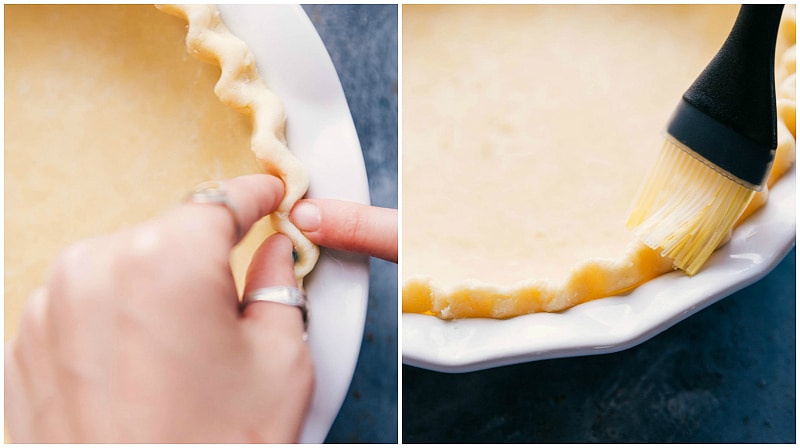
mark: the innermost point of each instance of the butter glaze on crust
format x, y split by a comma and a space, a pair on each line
241, 88
597, 278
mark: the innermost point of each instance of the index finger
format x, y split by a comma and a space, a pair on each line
249, 198
348, 226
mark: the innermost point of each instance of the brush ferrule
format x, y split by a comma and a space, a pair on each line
730, 153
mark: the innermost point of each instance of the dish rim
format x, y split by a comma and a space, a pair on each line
466, 345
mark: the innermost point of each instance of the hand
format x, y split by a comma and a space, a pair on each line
137, 336
348, 226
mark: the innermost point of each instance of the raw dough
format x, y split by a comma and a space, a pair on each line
527, 131
108, 122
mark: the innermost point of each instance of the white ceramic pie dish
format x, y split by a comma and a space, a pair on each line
295, 65
614, 323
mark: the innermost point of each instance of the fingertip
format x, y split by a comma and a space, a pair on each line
349, 226
306, 215
266, 191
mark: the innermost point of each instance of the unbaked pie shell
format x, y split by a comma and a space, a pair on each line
118, 123
593, 278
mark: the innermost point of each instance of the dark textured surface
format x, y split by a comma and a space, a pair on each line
726, 374
362, 42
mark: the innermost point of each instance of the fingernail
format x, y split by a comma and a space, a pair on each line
306, 216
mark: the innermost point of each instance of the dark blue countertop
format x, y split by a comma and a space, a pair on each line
362, 42
726, 375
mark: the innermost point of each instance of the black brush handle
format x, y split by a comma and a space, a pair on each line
728, 114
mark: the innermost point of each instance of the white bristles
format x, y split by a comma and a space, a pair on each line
686, 208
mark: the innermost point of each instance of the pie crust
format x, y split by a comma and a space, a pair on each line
108, 121
515, 201
241, 88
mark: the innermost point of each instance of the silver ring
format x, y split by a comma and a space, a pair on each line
213, 192
285, 295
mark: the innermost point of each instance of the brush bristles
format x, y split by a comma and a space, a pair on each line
686, 208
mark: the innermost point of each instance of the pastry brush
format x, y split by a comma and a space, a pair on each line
719, 147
